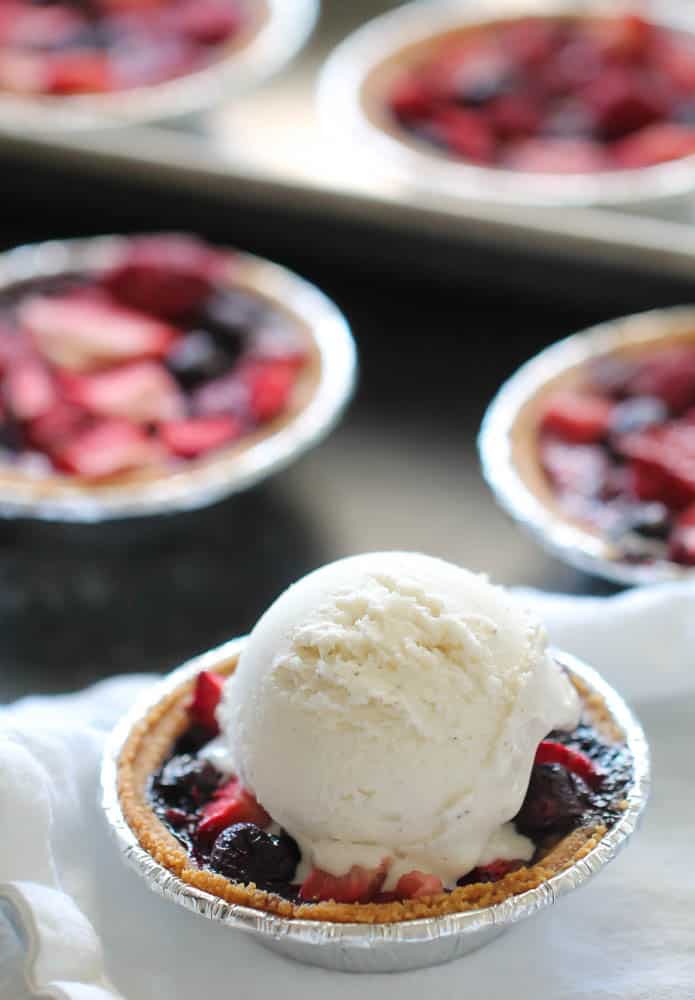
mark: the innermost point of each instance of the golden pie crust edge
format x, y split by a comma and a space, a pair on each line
149, 743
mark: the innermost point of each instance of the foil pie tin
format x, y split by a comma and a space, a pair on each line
570, 541
358, 73
379, 947
278, 30
194, 484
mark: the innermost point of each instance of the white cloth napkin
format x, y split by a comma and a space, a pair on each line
78, 925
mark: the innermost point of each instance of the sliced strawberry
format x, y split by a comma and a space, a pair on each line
12, 346
576, 417
22, 72
410, 99
84, 333
78, 72
189, 438
552, 752
493, 872
556, 156
29, 389
416, 884
532, 41
465, 133
110, 446
515, 115
168, 275
49, 431
232, 803
663, 463
142, 391
205, 699
359, 885
623, 39
669, 375
206, 22
623, 99
657, 143
270, 386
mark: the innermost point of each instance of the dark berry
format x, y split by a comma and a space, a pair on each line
637, 413
187, 778
192, 740
245, 853
232, 312
199, 356
555, 801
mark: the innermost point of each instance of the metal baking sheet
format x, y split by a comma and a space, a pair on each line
267, 147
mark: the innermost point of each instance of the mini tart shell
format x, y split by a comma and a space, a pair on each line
150, 742
241, 275
525, 431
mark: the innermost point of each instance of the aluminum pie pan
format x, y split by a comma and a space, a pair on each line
280, 30
353, 112
227, 471
574, 544
378, 947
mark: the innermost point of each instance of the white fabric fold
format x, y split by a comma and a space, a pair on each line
88, 928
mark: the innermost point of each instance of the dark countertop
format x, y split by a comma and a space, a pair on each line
79, 603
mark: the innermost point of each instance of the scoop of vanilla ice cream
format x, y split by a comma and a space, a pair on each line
389, 706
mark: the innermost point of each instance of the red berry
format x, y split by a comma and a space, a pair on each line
359, 885
657, 143
514, 115
49, 431
465, 133
109, 447
205, 699
198, 435
206, 22
410, 99
88, 332
78, 72
167, 275
669, 374
551, 752
142, 391
532, 41
232, 803
663, 463
416, 884
623, 100
29, 389
576, 417
624, 39
270, 386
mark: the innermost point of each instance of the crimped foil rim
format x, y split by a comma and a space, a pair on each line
287, 25
580, 548
378, 938
226, 471
354, 59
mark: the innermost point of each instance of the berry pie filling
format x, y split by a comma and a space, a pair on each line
554, 95
618, 451
154, 361
60, 47
383, 631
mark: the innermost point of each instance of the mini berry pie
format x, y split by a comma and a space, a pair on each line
160, 355
610, 445
393, 742
555, 95
65, 47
